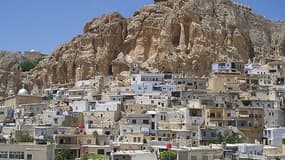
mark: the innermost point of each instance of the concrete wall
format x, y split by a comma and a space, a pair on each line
38, 152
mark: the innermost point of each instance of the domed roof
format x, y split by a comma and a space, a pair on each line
23, 91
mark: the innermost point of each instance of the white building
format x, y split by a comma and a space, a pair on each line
154, 78
273, 136
138, 123
153, 99
79, 106
133, 155
97, 106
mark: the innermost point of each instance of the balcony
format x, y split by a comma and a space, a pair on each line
163, 143
215, 118
68, 146
244, 116
75, 97
42, 137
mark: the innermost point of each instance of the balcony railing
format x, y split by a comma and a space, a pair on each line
69, 146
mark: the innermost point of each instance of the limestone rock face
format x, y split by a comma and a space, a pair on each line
167, 36
10, 61
90, 53
10, 71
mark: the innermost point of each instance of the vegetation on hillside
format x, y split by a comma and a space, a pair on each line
27, 65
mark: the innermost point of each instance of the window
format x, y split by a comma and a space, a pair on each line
134, 121
29, 157
283, 141
152, 125
204, 157
212, 115
145, 121
89, 141
11, 155
193, 134
55, 120
3, 155
213, 134
101, 151
15, 155
193, 158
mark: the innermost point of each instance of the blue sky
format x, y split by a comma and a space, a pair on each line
271, 9
44, 24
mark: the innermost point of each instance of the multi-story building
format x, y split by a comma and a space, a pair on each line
273, 136
27, 151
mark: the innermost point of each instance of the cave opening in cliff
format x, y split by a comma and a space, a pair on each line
110, 70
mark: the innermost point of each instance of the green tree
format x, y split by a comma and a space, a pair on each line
94, 156
27, 65
95, 134
167, 155
48, 97
226, 137
64, 154
24, 138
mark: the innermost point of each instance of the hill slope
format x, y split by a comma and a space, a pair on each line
168, 36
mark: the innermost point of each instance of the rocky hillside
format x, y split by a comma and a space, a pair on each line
168, 36
11, 73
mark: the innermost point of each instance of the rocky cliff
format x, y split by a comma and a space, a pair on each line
11, 74
167, 36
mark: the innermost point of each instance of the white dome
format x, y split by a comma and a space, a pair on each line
23, 91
